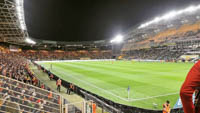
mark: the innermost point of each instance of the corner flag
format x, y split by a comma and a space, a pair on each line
128, 89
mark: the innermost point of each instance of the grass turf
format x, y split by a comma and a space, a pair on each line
150, 82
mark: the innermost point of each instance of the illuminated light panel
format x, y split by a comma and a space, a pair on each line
170, 15
117, 39
28, 40
20, 13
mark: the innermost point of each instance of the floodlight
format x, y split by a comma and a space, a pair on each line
157, 19
18, 9
190, 9
117, 39
30, 41
20, 13
170, 15
18, 2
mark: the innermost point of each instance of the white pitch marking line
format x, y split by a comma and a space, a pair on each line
90, 84
154, 96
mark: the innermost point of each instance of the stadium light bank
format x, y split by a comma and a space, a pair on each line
117, 39
171, 15
20, 13
30, 41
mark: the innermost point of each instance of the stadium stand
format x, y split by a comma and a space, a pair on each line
163, 47
65, 55
21, 90
155, 54
26, 98
37, 55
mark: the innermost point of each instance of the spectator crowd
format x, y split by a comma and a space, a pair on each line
20, 91
65, 55
155, 54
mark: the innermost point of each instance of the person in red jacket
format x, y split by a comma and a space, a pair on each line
191, 83
42, 86
51, 77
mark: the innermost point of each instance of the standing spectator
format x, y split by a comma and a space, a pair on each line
42, 86
51, 76
58, 83
166, 107
50, 95
71, 88
33, 80
29, 79
93, 107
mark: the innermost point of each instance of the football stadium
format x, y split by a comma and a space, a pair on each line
136, 71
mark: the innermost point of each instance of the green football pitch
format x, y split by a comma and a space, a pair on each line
151, 83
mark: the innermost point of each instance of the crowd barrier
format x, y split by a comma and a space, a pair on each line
120, 107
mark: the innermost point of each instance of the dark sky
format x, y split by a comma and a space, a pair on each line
84, 20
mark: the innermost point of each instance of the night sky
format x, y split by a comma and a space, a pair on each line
85, 20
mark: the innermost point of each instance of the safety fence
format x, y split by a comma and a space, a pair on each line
18, 97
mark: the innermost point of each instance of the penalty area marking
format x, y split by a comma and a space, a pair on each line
124, 99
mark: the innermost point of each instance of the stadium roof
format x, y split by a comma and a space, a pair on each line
12, 22
173, 19
72, 44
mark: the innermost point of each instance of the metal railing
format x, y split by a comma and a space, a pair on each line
39, 94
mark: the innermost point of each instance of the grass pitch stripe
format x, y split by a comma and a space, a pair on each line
92, 85
106, 91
